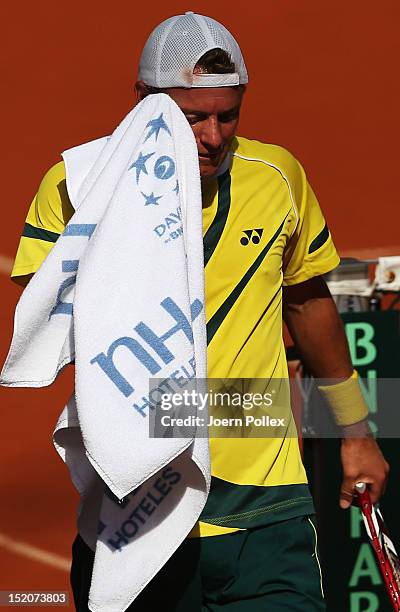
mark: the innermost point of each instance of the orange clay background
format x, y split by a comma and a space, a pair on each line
323, 82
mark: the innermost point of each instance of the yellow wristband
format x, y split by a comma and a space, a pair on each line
345, 400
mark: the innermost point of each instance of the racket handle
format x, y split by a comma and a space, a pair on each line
363, 497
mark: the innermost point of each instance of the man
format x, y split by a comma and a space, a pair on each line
266, 246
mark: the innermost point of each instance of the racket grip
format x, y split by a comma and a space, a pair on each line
363, 497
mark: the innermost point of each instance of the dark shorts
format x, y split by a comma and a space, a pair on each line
273, 568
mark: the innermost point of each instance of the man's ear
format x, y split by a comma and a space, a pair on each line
141, 90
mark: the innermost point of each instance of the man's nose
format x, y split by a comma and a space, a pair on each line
211, 136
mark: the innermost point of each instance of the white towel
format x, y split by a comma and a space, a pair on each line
123, 293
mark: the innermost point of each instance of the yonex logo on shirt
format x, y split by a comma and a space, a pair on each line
251, 235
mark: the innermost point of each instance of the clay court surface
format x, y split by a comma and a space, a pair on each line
38, 506
327, 90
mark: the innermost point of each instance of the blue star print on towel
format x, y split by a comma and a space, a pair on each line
155, 126
150, 199
140, 165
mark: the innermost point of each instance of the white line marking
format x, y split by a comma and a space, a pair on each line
6, 264
37, 554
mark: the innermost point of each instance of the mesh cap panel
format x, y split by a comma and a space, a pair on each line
220, 38
184, 42
175, 46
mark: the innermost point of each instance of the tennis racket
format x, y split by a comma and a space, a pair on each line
388, 560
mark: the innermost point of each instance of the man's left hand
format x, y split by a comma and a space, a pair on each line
362, 461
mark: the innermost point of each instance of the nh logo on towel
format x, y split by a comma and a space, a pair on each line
148, 338
70, 265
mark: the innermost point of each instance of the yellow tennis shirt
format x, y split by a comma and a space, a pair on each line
263, 228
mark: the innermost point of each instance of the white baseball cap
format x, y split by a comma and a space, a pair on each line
175, 46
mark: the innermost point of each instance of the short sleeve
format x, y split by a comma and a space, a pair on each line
310, 250
47, 217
